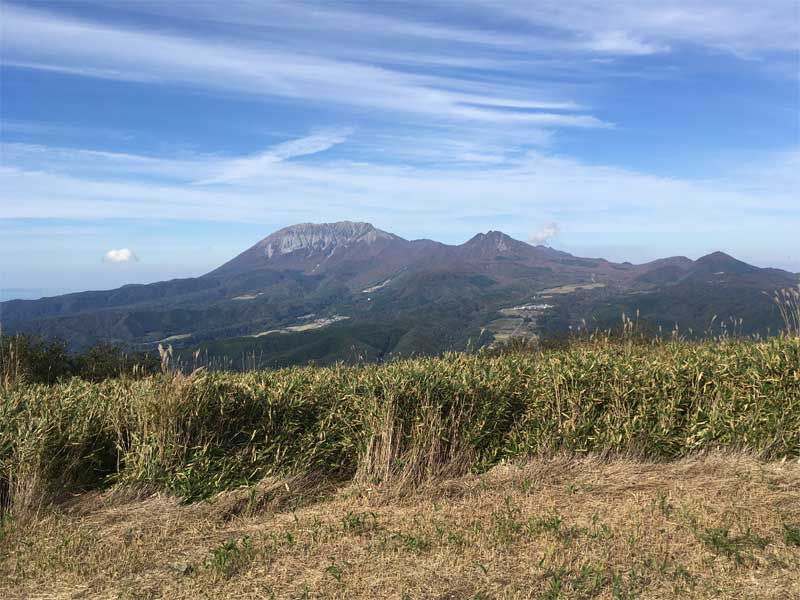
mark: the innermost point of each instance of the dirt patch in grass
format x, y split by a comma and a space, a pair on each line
721, 526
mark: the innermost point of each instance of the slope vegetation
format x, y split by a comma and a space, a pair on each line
603, 469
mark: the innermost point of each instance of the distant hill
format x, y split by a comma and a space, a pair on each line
349, 291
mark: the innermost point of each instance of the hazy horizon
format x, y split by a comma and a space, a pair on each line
154, 140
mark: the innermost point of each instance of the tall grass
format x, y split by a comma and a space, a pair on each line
788, 303
397, 424
34, 359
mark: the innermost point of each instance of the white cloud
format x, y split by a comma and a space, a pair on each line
532, 186
515, 64
265, 67
545, 234
122, 255
253, 166
615, 28
741, 27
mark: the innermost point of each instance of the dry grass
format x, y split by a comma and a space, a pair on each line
713, 526
788, 303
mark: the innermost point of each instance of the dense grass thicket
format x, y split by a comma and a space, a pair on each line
38, 360
399, 423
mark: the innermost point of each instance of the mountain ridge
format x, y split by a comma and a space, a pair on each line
375, 293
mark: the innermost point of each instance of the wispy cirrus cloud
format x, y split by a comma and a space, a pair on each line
262, 67
534, 186
253, 166
741, 27
619, 28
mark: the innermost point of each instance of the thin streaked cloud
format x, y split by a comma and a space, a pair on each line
105, 51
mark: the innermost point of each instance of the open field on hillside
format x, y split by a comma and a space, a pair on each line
719, 526
315, 324
568, 289
577, 472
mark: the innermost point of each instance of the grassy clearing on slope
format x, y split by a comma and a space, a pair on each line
718, 526
396, 425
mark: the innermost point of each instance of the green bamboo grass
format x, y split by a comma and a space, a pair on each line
400, 423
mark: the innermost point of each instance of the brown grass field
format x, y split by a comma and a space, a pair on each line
709, 526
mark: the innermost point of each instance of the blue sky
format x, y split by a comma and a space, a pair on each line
182, 132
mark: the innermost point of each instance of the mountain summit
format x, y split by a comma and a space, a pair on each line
719, 263
496, 245
304, 242
321, 238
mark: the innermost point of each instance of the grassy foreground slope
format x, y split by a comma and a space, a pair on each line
719, 526
384, 480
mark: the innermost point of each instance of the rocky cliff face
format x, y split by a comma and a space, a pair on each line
309, 246
323, 238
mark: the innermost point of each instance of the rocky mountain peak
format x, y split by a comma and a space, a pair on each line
492, 240
319, 237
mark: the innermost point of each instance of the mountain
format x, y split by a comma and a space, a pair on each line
719, 263
314, 248
715, 288
350, 291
